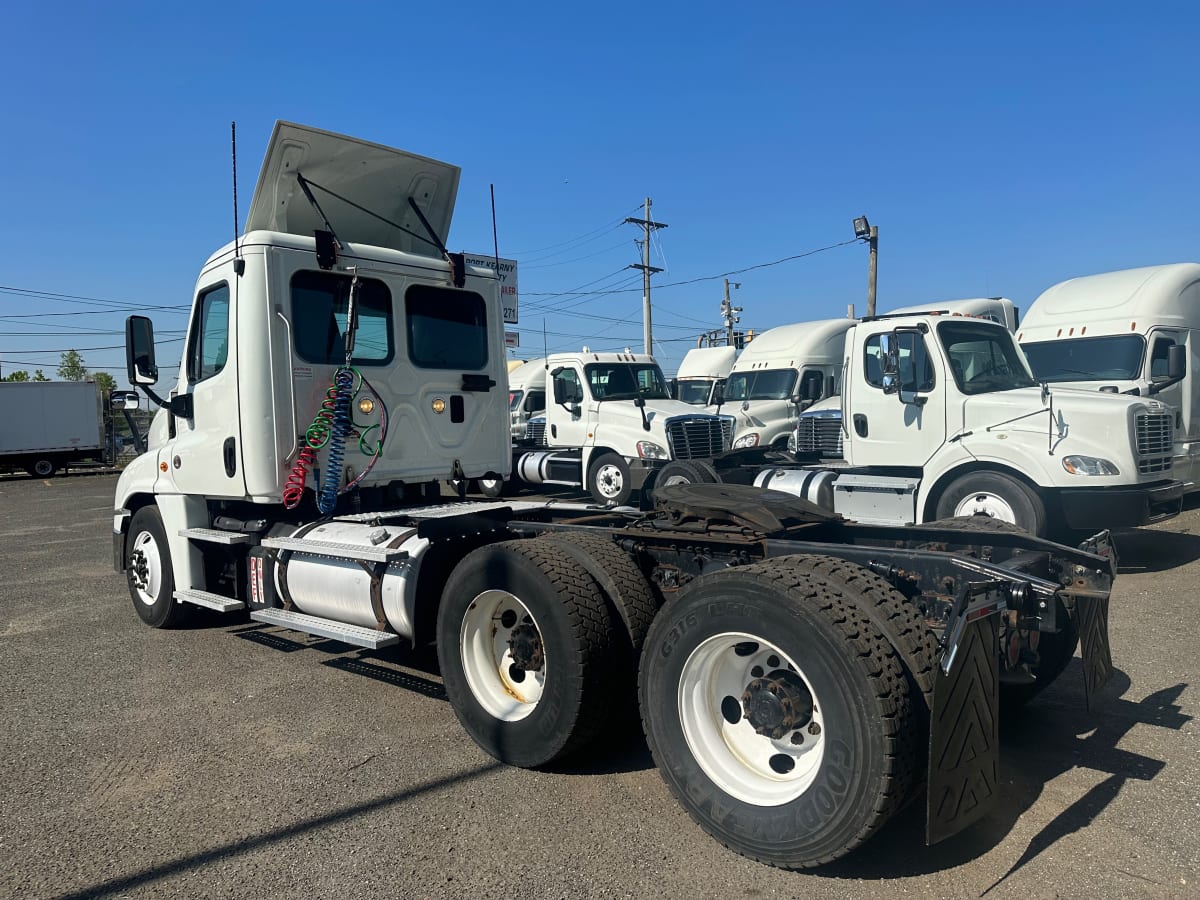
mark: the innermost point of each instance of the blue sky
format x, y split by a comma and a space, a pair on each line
999, 148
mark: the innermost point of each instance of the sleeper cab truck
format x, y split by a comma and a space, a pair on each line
700, 380
799, 676
1116, 332
526, 395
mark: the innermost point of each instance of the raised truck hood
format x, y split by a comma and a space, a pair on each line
371, 176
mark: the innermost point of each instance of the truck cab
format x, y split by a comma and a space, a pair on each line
941, 416
1115, 332
609, 423
526, 395
701, 378
783, 371
321, 312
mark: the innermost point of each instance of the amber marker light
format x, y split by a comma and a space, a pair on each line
439, 406
366, 406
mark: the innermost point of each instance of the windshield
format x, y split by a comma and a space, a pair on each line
765, 384
1087, 359
514, 399
626, 381
695, 391
984, 358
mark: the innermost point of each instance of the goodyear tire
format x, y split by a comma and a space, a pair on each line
149, 573
779, 715
527, 648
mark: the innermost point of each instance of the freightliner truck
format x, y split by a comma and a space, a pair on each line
800, 677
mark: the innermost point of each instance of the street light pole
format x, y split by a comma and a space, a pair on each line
871, 272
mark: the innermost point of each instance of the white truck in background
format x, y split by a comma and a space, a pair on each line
790, 665
995, 309
1115, 332
50, 425
610, 424
526, 395
700, 380
782, 371
939, 416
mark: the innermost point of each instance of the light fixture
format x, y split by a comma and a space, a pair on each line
366, 406
862, 228
439, 406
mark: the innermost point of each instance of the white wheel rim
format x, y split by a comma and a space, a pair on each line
146, 562
42, 467
609, 481
985, 503
488, 663
752, 767
677, 479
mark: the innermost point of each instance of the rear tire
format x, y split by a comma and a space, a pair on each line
149, 573
527, 650
42, 468
491, 487
729, 752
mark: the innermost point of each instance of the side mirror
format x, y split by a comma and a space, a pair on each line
639, 401
1176, 362
718, 393
560, 391
139, 351
119, 400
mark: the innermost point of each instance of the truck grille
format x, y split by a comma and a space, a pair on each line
698, 438
820, 434
535, 432
1154, 432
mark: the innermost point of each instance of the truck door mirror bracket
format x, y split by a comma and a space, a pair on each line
1176, 369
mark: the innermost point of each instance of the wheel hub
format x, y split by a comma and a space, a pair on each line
525, 644
777, 703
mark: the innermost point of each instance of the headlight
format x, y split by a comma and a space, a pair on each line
651, 450
1089, 465
746, 440
793, 445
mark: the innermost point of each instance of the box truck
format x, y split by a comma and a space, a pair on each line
50, 425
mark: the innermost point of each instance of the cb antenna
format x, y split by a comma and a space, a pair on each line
239, 264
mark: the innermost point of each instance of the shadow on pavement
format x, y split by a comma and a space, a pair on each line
1051, 736
1151, 550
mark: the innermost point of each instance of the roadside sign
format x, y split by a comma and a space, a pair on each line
508, 281
512, 339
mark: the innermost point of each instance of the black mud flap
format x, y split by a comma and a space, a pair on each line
1091, 618
964, 728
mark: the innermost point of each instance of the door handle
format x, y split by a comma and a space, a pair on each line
860, 425
229, 452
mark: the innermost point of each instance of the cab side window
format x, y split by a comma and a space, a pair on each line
208, 344
535, 402
568, 387
916, 366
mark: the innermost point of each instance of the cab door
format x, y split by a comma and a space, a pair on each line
895, 421
567, 409
205, 456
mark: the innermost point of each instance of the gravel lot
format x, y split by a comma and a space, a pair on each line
233, 759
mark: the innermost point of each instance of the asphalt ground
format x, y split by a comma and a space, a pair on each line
230, 759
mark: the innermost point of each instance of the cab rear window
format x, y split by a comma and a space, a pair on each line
447, 329
320, 301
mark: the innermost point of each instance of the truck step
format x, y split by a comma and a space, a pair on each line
214, 536
212, 601
327, 628
333, 548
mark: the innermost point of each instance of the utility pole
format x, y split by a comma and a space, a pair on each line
647, 271
730, 314
871, 271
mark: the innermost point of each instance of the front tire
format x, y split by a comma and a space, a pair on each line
527, 649
997, 496
609, 480
780, 717
42, 468
149, 573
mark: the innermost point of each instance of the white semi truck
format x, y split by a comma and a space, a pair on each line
939, 415
50, 425
781, 372
800, 677
700, 380
526, 395
610, 425
1115, 332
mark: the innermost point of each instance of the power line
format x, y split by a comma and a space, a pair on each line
575, 259
82, 349
609, 226
77, 298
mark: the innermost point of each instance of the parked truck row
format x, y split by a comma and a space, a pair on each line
799, 676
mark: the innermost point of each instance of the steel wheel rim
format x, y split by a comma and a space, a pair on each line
609, 481
145, 562
985, 503
741, 762
43, 467
676, 479
487, 659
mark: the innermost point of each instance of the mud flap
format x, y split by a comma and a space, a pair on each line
1091, 618
964, 723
